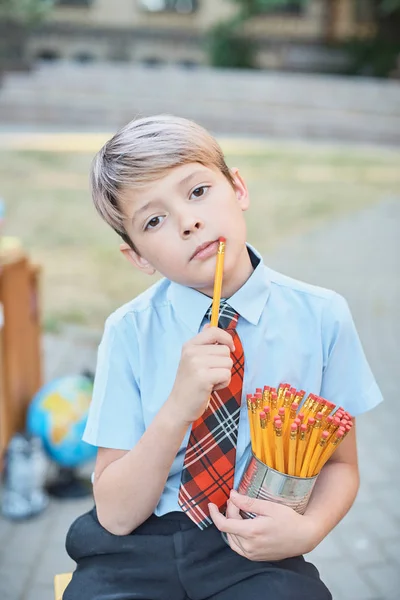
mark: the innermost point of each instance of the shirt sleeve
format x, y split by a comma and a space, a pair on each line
115, 417
347, 378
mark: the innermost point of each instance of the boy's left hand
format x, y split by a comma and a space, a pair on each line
278, 532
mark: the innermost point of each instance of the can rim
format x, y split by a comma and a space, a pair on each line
283, 474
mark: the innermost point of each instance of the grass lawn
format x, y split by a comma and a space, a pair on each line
292, 186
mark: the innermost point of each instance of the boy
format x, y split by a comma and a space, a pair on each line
163, 185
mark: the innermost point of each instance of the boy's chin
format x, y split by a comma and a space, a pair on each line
205, 287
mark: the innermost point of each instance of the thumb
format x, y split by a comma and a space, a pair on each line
253, 505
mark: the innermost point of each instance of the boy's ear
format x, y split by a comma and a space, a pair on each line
242, 193
137, 261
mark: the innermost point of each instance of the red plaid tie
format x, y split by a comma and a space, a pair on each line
209, 465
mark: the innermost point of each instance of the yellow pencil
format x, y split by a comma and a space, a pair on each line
269, 437
299, 396
282, 415
219, 271
279, 458
317, 454
258, 396
305, 409
260, 436
264, 441
287, 399
256, 426
329, 449
314, 433
292, 416
301, 446
292, 449
265, 395
281, 392
249, 398
274, 403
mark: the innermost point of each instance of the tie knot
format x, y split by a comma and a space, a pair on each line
227, 318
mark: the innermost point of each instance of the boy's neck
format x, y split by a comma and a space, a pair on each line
238, 278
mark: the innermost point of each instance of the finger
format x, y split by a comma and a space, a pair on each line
253, 505
232, 511
234, 526
235, 545
221, 362
214, 335
213, 350
221, 378
218, 350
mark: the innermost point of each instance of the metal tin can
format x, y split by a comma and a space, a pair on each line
260, 481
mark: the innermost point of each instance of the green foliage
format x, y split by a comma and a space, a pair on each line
389, 6
227, 45
249, 8
227, 48
373, 58
25, 11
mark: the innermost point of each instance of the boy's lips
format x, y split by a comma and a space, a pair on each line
205, 250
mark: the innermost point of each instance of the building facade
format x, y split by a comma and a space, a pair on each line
174, 31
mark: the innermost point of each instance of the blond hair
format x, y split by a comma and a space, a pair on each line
142, 152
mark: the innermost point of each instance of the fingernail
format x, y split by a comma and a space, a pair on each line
234, 493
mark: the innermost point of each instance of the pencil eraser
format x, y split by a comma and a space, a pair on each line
222, 239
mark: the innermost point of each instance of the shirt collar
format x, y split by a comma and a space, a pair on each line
249, 301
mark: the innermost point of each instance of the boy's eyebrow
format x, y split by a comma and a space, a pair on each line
141, 209
186, 180
183, 183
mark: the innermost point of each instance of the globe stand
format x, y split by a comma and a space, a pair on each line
69, 485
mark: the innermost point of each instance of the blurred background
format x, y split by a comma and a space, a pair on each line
304, 97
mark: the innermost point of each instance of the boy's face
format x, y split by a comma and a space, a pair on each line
175, 223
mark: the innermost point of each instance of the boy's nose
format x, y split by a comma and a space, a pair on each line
190, 227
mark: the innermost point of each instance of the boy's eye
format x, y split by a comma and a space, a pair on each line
154, 222
200, 191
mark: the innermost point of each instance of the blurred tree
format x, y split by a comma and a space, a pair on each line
251, 8
380, 55
389, 6
25, 11
228, 46
387, 13
16, 17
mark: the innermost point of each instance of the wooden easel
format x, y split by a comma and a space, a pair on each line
20, 348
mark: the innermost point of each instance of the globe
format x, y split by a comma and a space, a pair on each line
57, 414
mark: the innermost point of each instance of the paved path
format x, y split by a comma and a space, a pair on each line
282, 105
358, 256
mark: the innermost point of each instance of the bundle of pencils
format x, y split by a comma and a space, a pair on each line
293, 440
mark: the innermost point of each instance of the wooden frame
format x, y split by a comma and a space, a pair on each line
20, 342
60, 583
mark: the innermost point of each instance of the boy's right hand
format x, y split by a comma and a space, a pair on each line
205, 366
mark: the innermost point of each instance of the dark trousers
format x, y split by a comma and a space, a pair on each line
169, 558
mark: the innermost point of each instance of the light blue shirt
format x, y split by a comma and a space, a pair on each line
290, 331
